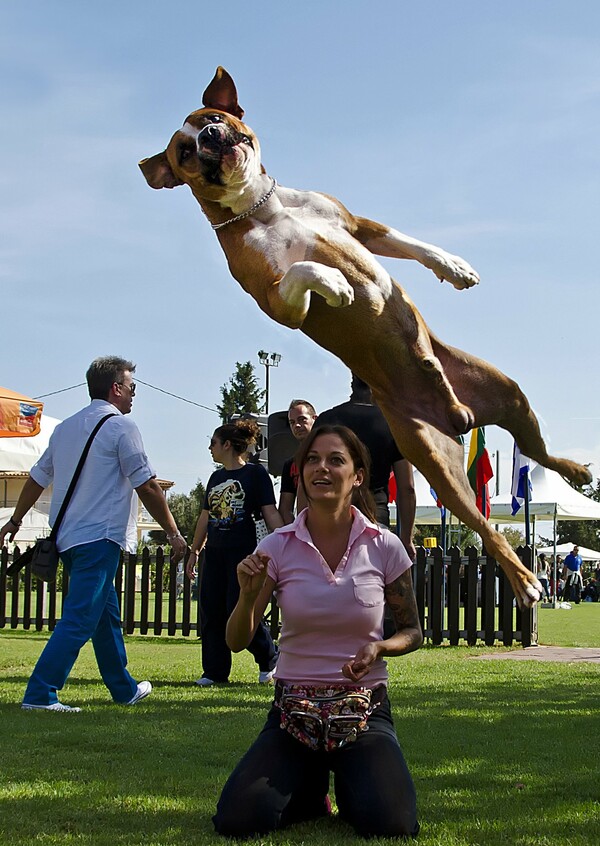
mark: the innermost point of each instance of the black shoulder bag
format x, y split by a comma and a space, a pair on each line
43, 555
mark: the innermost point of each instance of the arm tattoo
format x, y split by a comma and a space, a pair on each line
400, 597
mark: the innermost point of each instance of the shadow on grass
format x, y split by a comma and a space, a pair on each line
499, 754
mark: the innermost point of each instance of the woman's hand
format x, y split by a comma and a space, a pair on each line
360, 665
252, 574
190, 567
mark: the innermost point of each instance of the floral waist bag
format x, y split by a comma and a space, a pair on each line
326, 718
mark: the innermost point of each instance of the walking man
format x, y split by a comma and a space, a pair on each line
100, 521
572, 574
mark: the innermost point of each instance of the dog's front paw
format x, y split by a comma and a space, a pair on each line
339, 293
455, 270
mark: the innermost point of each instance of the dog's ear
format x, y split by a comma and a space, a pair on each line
221, 94
158, 173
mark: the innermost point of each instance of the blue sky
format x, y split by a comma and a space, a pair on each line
471, 125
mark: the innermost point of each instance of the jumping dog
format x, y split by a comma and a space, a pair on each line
285, 246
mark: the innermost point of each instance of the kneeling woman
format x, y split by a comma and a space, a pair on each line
332, 570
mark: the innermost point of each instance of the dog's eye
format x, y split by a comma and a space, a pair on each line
215, 118
184, 154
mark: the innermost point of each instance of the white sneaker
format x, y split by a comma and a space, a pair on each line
266, 676
204, 682
56, 706
143, 689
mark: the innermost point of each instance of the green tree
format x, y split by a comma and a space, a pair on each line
241, 394
185, 508
515, 537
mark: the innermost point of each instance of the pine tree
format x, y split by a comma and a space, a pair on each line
241, 394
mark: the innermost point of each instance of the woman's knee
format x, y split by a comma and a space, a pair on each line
397, 821
243, 813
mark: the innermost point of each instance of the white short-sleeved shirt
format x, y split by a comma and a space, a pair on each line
327, 617
104, 504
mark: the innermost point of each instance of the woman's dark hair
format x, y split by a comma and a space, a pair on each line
241, 434
362, 497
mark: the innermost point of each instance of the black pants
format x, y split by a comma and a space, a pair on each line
572, 588
280, 781
219, 592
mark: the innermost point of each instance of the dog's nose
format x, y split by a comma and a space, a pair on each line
212, 132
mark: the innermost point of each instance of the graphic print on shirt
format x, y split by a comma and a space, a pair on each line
226, 503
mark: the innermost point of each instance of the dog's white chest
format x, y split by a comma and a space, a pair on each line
306, 226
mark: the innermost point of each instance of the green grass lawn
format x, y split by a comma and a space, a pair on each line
579, 626
502, 752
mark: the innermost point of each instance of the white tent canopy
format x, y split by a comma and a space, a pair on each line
564, 549
35, 525
20, 454
551, 498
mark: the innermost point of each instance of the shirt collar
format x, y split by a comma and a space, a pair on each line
102, 403
360, 524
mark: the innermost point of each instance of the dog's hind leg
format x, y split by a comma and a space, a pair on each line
522, 424
441, 460
495, 399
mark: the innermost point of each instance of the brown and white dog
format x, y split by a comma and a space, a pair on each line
309, 265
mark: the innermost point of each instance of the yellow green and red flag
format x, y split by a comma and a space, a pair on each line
479, 470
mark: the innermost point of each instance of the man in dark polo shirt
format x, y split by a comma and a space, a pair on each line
368, 423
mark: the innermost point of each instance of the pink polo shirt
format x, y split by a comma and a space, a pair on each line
327, 616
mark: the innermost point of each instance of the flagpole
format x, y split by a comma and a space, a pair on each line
526, 504
443, 531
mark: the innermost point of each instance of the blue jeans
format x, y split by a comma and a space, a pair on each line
281, 781
90, 610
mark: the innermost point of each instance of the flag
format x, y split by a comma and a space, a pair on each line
392, 488
521, 469
438, 501
19, 415
479, 470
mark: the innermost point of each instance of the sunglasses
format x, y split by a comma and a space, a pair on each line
131, 387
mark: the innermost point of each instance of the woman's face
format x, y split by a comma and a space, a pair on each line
216, 449
329, 474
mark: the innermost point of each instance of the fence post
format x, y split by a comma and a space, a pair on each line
436, 595
130, 563
527, 616
3, 578
186, 625
14, 594
172, 619
471, 573
158, 590
145, 591
453, 595
488, 600
419, 580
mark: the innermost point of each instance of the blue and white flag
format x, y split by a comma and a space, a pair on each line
438, 502
522, 467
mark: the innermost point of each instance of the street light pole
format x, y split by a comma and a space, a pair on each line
269, 359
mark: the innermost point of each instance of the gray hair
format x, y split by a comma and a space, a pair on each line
103, 372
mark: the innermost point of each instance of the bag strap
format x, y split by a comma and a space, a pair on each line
76, 475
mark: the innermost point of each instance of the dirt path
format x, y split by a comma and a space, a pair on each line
564, 654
